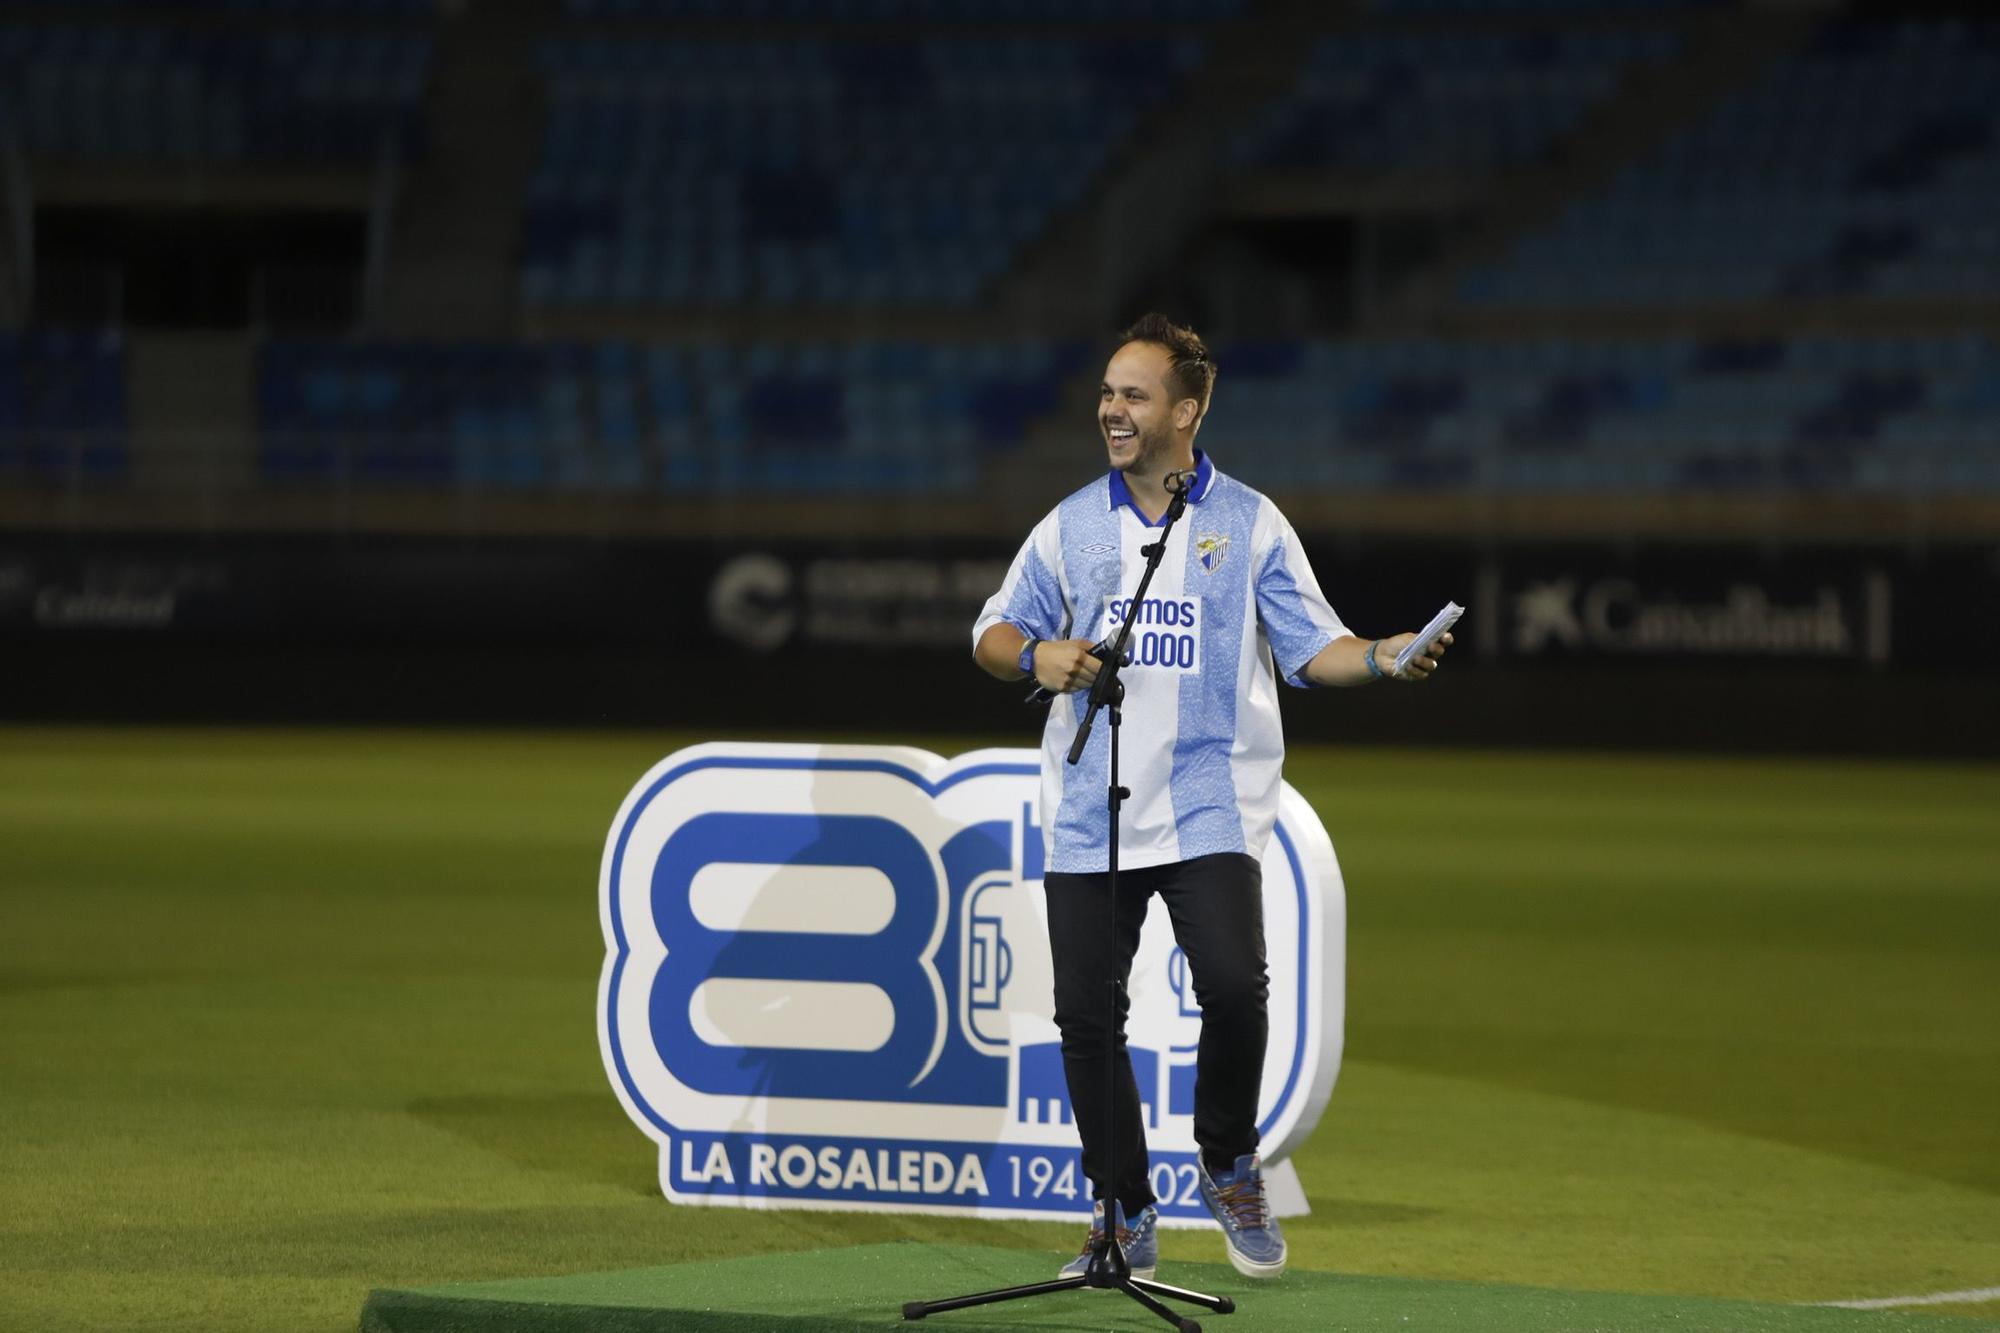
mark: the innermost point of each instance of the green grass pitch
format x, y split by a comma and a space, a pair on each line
289, 1015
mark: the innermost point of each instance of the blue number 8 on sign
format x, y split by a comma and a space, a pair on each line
891, 959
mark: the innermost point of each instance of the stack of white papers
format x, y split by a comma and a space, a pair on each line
1440, 622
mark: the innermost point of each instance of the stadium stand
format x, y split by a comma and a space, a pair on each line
983, 12
62, 407
1807, 413
144, 92
1443, 103
849, 417
818, 173
344, 9
1865, 166
1549, 7
862, 417
803, 227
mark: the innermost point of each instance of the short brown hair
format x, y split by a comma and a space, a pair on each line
1190, 369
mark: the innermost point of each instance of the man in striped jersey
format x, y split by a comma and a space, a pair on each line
1233, 609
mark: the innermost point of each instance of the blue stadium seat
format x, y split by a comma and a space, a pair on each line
1629, 414
139, 92
1865, 166
63, 415
713, 418
1447, 104
1539, 6
817, 173
937, 12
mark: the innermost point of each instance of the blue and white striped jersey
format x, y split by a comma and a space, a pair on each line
1202, 749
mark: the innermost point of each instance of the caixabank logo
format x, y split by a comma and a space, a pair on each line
826, 985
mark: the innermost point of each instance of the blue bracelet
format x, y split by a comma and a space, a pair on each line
1369, 658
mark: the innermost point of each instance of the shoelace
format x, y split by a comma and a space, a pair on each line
1126, 1235
1244, 1202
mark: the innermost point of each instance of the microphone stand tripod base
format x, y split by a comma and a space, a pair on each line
1107, 1271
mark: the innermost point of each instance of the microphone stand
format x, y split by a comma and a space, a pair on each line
1108, 1269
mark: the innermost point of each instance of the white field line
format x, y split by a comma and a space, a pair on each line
1973, 1297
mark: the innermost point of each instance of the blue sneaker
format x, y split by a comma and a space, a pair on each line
1236, 1198
1140, 1241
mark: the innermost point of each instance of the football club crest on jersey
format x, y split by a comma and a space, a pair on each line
1209, 548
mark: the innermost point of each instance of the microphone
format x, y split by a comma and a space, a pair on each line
1177, 483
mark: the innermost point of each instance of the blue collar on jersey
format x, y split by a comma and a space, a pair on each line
1121, 494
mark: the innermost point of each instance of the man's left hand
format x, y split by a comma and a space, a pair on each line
1421, 666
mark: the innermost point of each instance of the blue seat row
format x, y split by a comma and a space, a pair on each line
62, 407
861, 417
818, 172
1867, 165
926, 11
1655, 413
1539, 6
883, 416
1443, 103
340, 8
140, 92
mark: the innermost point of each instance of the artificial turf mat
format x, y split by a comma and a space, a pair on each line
865, 1287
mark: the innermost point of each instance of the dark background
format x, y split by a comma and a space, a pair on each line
418, 362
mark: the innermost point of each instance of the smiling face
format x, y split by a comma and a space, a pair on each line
1143, 428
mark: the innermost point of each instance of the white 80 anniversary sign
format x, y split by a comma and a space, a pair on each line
826, 984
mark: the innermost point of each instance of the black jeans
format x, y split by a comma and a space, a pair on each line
1216, 905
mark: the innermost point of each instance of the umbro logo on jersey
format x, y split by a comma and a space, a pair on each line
1099, 548
1210, 547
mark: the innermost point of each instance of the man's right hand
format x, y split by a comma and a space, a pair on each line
1065, 665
